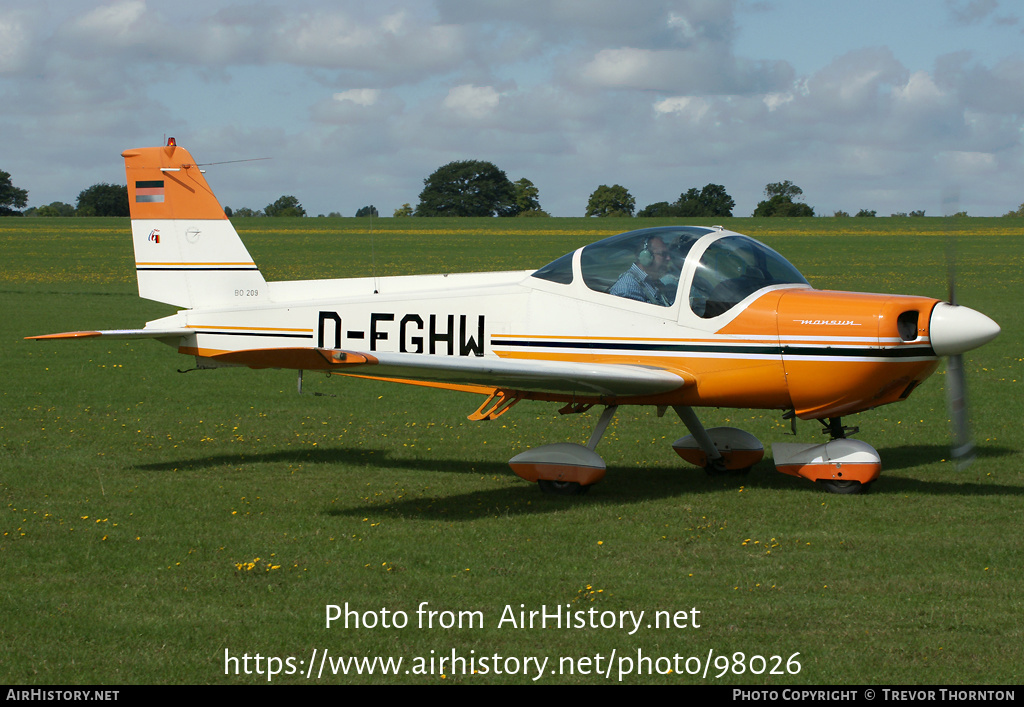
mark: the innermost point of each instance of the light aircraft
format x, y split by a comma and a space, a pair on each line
682, 317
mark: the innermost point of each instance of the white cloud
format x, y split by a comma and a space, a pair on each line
774, 101
679, 23
14, 44
473, 101
962, 164
395, 48
119, 19
857, 80
359, 96
623, 68
704, 68
919, 89
659, 96
689, 106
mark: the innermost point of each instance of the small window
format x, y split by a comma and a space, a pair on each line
559, 271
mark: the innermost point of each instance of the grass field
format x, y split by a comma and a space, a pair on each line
153, 520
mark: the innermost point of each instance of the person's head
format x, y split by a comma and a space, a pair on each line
654, 258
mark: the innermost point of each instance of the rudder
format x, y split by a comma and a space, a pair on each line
187, 253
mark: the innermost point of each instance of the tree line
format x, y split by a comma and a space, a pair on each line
470, 188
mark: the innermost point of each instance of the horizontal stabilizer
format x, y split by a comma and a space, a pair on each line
118, 334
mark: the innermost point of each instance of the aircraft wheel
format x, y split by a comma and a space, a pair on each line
716, 470
844, 487
562, 488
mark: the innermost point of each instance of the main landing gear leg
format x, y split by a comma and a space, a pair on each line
602, 425
716, 463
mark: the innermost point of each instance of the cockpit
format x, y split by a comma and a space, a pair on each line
716, 269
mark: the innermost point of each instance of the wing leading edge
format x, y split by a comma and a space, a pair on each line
556, 377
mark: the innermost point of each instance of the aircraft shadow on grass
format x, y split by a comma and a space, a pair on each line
621, 484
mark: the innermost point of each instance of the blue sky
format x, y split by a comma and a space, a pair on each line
877, 105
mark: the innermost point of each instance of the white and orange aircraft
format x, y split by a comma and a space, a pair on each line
681, 317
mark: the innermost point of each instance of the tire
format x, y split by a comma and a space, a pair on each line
844, 487
562, 488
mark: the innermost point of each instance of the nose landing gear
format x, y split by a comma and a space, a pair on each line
842, 465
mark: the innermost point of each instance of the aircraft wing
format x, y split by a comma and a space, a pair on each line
534, 375
560, 377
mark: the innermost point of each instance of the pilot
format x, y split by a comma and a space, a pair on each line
642, 281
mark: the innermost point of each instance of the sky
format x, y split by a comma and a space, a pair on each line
879, 105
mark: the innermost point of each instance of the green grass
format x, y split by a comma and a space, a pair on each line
136, 498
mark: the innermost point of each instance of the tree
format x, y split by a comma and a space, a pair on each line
1018, 213
608, 201
785, 189
467, 188
246, 212
285, 206
841, 214
103, 200
709, 202
661, 209
864, 213
55, 208
780, 201
403, 211
370, 210
688, 205
715, 201
781, 206
526, 195
11, 197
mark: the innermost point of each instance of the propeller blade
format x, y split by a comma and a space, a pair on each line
951, 269
956, 396
956, 382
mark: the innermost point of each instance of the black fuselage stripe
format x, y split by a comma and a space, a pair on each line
763, 350
252, 333
199, 269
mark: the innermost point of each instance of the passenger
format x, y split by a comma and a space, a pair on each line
641, 281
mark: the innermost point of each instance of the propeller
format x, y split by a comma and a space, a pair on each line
956, 380
956, 384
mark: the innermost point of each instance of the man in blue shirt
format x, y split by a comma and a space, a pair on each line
641, 281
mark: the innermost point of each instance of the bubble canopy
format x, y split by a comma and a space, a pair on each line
716, 269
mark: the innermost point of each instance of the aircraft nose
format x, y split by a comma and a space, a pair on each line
954, 329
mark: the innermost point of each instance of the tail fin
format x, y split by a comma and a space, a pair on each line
187, 253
